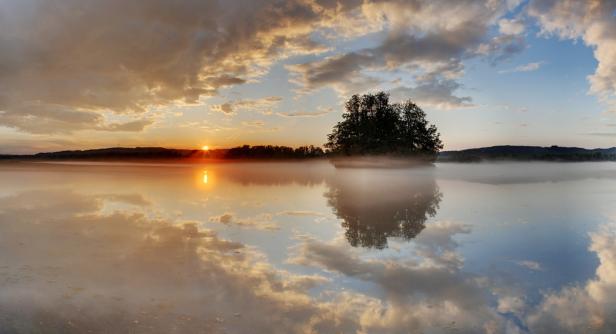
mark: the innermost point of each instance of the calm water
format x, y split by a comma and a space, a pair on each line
305, 248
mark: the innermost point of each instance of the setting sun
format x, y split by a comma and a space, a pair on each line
205, 148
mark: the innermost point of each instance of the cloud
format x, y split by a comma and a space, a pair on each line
40, 119
321, 111
301, 213
262, 105
532, 265
133, 126
260, 222
254, 124
77, 268
83, 267
428, 40
530, 67
437, 93
104, 55
578, 308
226, 108
433, 287
602, 134
342, 72
511, 27
594, 23
501, 48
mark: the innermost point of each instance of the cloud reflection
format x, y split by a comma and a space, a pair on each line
67, 267
77, 262
587, 307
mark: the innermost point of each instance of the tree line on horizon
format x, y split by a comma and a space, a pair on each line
160, 153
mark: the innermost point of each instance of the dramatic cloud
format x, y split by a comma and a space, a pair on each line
66, 63
428, 40
88, 56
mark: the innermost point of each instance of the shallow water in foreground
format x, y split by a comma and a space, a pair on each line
306, 248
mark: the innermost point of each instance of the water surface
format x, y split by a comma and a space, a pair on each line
306, 248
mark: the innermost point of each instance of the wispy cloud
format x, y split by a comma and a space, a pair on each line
602, 134
531, 265
263, 105
320, 112
530, 67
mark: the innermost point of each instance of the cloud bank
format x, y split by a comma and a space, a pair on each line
65, 63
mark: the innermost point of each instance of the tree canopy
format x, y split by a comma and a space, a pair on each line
373, 126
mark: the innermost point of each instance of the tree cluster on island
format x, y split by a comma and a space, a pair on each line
372, 126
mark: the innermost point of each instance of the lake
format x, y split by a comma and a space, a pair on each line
306, 248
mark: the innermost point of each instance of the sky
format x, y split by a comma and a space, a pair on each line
77, 74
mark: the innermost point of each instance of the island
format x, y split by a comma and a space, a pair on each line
377, 133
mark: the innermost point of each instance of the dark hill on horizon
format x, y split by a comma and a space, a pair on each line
528, 153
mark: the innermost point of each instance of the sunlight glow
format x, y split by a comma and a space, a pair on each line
205, 148
205, 179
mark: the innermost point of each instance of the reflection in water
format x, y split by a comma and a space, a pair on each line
260, 252
377, 204
205, 178
66, 266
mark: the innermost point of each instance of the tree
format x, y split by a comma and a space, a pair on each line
373, 126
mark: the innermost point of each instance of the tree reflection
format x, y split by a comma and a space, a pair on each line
377, 204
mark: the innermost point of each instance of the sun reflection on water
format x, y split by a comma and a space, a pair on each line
205, 178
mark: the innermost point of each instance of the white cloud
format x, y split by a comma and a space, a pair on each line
511, 27
530, 67
594, 23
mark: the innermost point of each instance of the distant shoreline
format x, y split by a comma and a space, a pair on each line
529, 153
247, 153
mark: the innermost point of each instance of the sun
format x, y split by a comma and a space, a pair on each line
205, 148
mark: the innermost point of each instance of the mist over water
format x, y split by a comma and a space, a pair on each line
307, 248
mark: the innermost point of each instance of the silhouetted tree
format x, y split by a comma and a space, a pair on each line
371, 125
